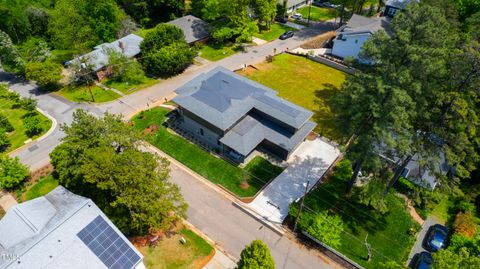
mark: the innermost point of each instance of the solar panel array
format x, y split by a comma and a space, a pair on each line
107, 245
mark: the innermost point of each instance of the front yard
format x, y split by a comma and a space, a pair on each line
170, 253
276, 30
82, 94
244, 182
391, 235
318, 13
41, 188
304, 82
16, 116
128, 88
214, 52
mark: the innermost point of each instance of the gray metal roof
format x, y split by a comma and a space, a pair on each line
194, 28
251, 131
360, 24
128, 45
222, 98
42, 233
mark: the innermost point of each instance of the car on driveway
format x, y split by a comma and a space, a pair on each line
286, 35
436, 237
424, 260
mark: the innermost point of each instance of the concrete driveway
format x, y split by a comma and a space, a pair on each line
308, 163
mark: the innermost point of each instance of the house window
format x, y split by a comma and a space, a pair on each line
201, 131
356, 41
405, 172
392, 11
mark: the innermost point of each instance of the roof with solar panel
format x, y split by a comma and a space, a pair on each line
223, 97
63, 230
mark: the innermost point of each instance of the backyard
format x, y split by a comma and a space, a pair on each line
318, 13
244, 182
391, 235
304, 82
82, 94
275, 31
170, 253
15, 115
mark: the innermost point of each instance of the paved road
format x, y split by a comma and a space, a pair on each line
418, 247
232, 228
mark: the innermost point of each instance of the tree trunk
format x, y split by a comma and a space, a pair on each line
356, 170
398, 173
353, 8
342, 12
360, 8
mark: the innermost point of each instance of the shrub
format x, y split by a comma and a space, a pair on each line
32, 125
464, 224
5, 124
326, 228
12, 172
4, 142
46, 74
28, 103
256, 256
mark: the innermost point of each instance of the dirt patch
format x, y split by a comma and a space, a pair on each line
244, 185
312, 136
319, 41
151, 129
41, 172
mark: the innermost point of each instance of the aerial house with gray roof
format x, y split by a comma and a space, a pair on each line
62, 230
238, 116
194, 29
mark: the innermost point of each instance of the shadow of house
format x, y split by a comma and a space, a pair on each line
194, 29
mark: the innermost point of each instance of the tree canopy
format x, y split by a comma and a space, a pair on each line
12, 172
256, 256
98, 158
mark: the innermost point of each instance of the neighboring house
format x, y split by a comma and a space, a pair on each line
393, 6
195, 29
237, 116
63, 230
351, 37
292, 5
98, 58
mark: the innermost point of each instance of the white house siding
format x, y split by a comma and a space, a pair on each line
193, 127
351, 45
294, 4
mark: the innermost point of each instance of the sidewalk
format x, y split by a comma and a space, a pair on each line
220, 261
6, 200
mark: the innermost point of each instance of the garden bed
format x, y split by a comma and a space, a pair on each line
243, 182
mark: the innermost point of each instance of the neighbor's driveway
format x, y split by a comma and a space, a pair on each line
308, 163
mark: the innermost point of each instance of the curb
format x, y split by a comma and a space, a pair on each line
45, 135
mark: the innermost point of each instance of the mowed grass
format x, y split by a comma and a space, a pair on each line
306, 83
275, 31
15, 116
41, 188
170, 253
318, 13
257, 173
82, 94
128, 88
387, 234
214, 52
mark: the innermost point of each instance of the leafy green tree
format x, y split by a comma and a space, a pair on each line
14, 21
135, 193
46, 74
265, 10
10, 59
12, 172
28, 103
256, 256
4, 142
38, 18
165, 51
326, 228
33, 125
150, 12
5, 124
35, 50
447, 259
125, 69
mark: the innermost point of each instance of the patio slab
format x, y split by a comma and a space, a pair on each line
308, 163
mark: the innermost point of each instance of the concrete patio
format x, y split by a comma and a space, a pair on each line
308, 163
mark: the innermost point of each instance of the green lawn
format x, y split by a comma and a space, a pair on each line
61, 56
257, 172
41, 188
387, 234
170, 253
81, 94
318, 13
276, 30
131, 88
304, 82
214, 52
15, 115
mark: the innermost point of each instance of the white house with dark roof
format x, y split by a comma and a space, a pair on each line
63, 230
195, 29
292, 5
98, 58
351, 37
393, 6
237, 116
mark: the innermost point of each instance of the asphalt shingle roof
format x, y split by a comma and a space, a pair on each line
194, 28
360, 24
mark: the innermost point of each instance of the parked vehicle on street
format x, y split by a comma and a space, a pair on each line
297, 16
436, 237
423, 260
286, 35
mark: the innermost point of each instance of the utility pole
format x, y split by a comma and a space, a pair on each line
301, 206
309, 9
369, 249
